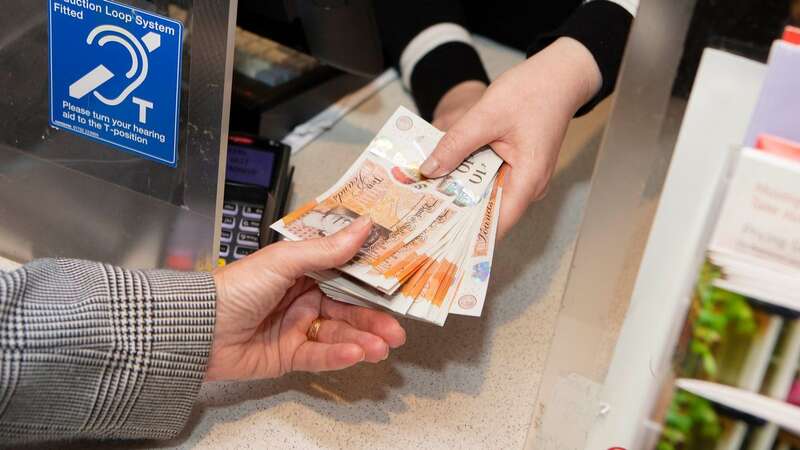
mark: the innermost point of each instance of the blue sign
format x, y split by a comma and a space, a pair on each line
115, 76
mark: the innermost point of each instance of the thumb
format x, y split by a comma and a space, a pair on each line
294, 259
467, 135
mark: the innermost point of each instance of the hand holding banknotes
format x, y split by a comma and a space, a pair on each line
271, 319
430, 249
523, 116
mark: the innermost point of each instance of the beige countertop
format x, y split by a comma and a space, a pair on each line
471, 384
7, 264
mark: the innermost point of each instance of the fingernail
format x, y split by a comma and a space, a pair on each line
360, 223
386, 356
429, 167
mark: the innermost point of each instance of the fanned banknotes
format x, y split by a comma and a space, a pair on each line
430, 250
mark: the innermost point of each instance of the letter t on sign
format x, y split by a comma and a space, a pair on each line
144, 105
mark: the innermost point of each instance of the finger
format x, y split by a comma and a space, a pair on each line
338, 332
443, 122
471, 132
294, 259
313, 356
378, 323
303, 309
518, 193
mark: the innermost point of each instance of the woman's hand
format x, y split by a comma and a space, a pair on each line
523, 116
265, 306
456, 102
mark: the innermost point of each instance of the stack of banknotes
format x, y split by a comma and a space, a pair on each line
430, 250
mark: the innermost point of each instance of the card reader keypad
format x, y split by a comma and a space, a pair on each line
241, 223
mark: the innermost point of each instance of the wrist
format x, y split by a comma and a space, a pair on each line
570, 71
457, 93
457, 100
218, 275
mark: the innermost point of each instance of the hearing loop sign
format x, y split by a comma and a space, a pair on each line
115, 76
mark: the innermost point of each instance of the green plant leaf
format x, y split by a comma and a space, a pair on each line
707, 334
724, 295
699, 347
673, 435
713, 320
711, 430
710, 365
679, 421
663, 445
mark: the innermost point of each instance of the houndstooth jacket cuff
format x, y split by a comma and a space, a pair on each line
92, 350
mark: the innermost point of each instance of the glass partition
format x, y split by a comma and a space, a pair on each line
62, 194
579, 402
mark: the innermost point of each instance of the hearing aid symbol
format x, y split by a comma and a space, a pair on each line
138, 51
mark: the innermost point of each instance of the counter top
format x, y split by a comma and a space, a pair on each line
7, 264
471, 384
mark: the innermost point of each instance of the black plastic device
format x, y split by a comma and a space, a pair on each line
257, 185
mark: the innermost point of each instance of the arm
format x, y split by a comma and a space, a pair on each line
524, 114
602, 27
91, 350
427, 41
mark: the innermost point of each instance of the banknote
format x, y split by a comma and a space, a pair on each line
471, 293
399, 214
450, 280
406, 141
430, 248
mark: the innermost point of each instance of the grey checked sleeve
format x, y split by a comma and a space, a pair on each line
88, 350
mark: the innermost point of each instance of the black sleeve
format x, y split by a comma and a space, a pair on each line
602, 27
433, 75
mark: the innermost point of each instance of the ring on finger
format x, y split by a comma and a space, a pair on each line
313, 329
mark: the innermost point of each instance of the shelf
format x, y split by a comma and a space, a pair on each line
782, 414
758, 295
781, 382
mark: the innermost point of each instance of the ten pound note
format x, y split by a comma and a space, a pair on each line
430, 249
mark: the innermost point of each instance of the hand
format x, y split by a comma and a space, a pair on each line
265, 306
456, 102
523, 116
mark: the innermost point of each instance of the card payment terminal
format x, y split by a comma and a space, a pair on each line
257, 185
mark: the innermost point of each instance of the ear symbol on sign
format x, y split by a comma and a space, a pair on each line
100, 74
137, 53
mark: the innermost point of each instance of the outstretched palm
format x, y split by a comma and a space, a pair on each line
265, 307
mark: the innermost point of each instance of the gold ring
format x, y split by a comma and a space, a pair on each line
313, 330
